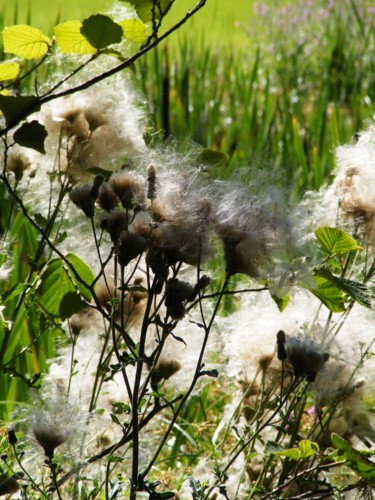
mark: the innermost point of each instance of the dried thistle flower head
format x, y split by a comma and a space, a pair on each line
130, 246
75, 124
8, 485
164, 370
306, 357
84, 196
18, 163
243, 250
107, 199
115, 223
54, 421
129, 188
151, 182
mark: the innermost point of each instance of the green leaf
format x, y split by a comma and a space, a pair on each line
70, 39
134, 30
31, 135
336, 241
3, 258
146, 11
9, 71
58, 291
84, 272
356, 290
17, 108
292, 453
211, 158
328, 293
281, 302
101, 31
355, 459
25, 41
308, 448
15, 291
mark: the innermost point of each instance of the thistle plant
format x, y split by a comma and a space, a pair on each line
133, 256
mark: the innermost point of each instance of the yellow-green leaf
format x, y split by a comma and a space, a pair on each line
336, 241
134, 30
147, 9
25, 41
70, 39
9, 71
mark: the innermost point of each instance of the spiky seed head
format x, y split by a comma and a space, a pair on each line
8, 485
130, 246
107, 199
84, 197
164, 369
151, 182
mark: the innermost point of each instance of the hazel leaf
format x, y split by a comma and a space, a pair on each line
9, 71
101, 31
31, 135
16, 108
328, 293
134, 30
70, 39
336, 241
149, 9
25, 41
360, 292
59, 292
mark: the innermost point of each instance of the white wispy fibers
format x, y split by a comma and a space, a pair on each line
254, 228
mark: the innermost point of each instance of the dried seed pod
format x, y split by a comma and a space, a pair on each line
281, 352
8, 485
164, 370
107, 199
151, 182
130, 246
115, 222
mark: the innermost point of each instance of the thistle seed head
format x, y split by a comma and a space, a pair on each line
130, 246
129, 189
306, 357
164, 369
107, 199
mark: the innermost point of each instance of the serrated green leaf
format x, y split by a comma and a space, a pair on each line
211, 158
146, 11
17, 108
31, 135
134, 30
355, 459
328, 293
57, 291
9, 71
70, 39
101, 31
356, 290
25, 41
336, 241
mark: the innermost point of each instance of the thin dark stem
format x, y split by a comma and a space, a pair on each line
192, 385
